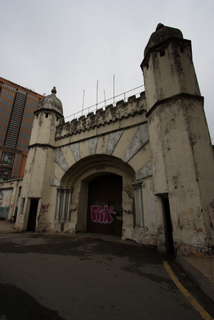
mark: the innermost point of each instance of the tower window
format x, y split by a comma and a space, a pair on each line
162, 52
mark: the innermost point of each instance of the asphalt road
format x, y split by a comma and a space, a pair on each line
50, 277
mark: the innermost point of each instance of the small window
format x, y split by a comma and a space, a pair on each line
46, 115
182, 49
162, 52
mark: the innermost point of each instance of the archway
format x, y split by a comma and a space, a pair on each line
94, 171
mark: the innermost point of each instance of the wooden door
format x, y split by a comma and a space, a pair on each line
105, 212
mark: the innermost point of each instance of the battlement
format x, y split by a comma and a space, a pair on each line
134, 105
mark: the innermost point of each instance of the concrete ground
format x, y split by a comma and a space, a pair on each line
203, 265
86, 276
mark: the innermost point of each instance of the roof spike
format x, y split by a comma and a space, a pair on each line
54, 90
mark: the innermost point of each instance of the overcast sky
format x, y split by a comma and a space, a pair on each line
72, 44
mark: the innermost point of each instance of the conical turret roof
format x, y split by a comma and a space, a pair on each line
51, 102
161, 34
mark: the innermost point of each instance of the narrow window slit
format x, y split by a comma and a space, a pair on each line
162, 53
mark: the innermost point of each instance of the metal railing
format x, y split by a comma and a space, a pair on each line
103, 104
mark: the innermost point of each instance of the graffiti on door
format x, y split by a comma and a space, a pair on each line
102, 214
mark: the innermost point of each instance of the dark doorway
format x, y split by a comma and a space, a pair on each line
32, 215
105, 214
168, 226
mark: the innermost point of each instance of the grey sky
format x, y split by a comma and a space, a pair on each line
72, 44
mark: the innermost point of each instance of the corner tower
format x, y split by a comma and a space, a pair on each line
48, 115
37, 190
182, 154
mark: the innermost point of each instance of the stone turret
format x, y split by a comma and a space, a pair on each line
182, 155
39, 163
51, 103
167, 66
47, 117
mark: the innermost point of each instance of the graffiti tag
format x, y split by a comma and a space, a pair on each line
44, 208
102, 214
212, 203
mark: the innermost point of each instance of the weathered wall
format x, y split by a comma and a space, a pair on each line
94, 145
9, 191
181, 150
36, 183
170, 61
102, 118
5, 198
114, 140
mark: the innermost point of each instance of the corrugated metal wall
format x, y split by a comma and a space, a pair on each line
6, 104
15, 120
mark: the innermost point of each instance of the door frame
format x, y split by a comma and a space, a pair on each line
168, 228
33, 213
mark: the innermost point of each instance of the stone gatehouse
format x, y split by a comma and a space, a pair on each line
142, 170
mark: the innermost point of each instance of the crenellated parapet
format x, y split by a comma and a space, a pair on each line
134, 105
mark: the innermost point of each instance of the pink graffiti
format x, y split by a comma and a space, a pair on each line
44, 208
102, 214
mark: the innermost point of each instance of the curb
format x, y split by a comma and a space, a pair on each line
197, 277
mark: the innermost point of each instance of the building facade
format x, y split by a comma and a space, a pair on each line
17, 105
143, 170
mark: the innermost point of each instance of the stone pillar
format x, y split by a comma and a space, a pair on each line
58, 202
63, 204
68, 203
139, 217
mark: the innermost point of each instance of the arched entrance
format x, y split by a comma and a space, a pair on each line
105, 213
101, 181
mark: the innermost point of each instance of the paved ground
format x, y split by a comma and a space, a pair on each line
205, 266
84, 277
